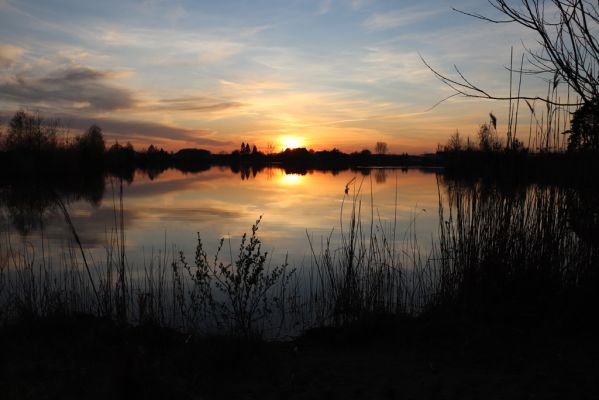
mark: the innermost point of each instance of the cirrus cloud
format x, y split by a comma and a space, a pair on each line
398, 18
9, 54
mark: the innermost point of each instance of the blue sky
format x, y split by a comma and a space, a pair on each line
331, 73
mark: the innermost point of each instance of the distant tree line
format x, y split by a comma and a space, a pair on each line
32, 145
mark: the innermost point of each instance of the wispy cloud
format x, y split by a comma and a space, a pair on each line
397, 18
176, 47
325, 6
195, 103
252, 87
216, 52
171, 10
9, 54
358, 4
388, 63
195, 214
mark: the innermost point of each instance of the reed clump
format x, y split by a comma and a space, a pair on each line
509, 253
376, 270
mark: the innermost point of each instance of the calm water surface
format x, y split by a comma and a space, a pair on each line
169, 211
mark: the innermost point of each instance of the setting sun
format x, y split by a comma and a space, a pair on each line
291, 142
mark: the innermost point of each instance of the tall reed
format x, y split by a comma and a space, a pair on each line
375, 270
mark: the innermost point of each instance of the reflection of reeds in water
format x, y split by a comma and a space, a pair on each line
32, 284
35, 283
511, 251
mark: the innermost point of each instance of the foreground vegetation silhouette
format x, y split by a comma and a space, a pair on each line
503, 306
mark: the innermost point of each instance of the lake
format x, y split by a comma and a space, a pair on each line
169, 210
359, 241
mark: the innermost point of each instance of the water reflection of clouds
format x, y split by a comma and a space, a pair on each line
198, 214
171, 181
157, 188
92, 225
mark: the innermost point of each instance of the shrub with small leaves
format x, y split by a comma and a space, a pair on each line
234, 295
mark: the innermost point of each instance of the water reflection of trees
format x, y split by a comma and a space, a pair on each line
26, 210
28, 205
246, 171
380, 175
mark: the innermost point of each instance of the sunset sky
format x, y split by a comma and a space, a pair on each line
211, 74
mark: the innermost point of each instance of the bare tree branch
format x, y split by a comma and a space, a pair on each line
467, 89
568, 49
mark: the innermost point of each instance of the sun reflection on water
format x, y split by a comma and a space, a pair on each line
291, 179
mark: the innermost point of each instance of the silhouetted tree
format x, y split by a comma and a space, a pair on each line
29, 132
121, 160
585, 128
455, 142
91, 145
380, 148
245, 148
487, 139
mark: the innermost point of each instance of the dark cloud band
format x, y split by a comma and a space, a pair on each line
72, 88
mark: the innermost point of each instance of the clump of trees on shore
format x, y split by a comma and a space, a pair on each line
33, 144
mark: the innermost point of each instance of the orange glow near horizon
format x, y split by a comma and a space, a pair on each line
291, 142
416, 135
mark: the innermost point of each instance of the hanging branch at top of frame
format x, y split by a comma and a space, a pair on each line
567, 51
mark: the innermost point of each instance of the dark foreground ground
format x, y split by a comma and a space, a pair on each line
385, 358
